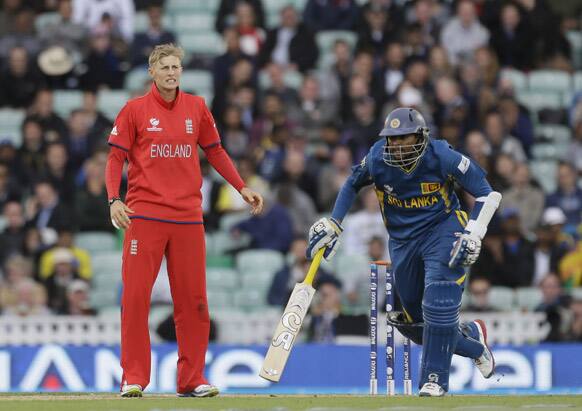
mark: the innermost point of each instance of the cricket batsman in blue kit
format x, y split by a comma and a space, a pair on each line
432, 240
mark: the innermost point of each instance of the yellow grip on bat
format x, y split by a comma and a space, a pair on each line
314, 266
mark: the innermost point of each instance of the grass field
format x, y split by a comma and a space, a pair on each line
109, 402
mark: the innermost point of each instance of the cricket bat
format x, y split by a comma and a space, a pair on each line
290, 324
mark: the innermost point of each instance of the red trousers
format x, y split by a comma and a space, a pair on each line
145, 244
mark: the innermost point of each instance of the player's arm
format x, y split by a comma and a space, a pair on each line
326, 231
473, 179
219, 159
121, 139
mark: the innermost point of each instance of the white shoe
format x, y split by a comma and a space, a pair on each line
131, 390
431, 389
486, 362
204, 390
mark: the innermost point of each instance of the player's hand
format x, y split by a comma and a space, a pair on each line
465, 250
324, 233
119, 215
254, 199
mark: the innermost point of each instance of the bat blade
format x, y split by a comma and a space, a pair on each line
286, 332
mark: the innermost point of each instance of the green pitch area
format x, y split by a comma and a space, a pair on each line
108, 402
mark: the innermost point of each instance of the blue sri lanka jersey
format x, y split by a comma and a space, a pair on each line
413, 201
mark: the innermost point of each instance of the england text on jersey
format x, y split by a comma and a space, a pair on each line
171, 151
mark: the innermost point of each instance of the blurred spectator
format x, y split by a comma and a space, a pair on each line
42, 110
327, 320
488, 64
517, 121
525, 197
19, 81
272, 116
477, 147
391, 70
225, 17
92, 210
290, 45
8, 15
222, 65
428, 15
59, 173
47, 211
81, 142
59, 280
166, 329
501, 171
463, 33
513, 39
233, 134
439, 63
91, 13
103, 63
413, 43
239, 88
99, 125
376, 32
9, 188
12, 237
65, 241
575, 331
77, 300
574, 152
507, 257
360, 227
251, 36
229, 200
330, 14
29, 299
30, 155
287, 94
144, 42
210, 191
334, 82
293, 272
555, 304
550, 246
299, 177
479, 295
272, 229
571, 267
499, 138
313, 111
448, 101
567, 196
21, 35
19, 294
333, 176
271, 154
64, 32
362, 132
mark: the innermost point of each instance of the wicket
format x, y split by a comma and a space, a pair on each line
390, 352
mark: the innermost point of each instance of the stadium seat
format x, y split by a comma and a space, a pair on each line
219, 300
210, 43
528, 298
224, 243
226, 278
250, 299
44, 19
66, 101
193, 22
576, 293
100, 299
544, 171
181, 6
326, 39
261, 280
107, 263
135, 79
96, 241
196, 81
578, 81
575, 39
227, 221
10, 125
141, 21
110, 102
251, 261
501, 298
350, 265
291, 78
537, 100
549, 151
517, 78
555, 133
550, 80
219, 261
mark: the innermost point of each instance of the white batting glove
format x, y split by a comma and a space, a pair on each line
465, 250
324, 233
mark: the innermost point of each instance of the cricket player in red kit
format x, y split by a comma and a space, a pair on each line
159, 134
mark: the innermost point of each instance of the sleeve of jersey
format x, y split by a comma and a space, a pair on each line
113, 171
123, 133
219, 159
359, 178
208, 135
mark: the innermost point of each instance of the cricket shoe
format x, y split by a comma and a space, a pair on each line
131, 391
204, 390
431, 389
486, 362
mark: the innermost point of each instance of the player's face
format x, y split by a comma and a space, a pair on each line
402, 146
166, 72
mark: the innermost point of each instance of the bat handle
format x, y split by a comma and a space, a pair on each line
314, 266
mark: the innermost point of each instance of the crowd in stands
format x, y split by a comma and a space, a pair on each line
295, 112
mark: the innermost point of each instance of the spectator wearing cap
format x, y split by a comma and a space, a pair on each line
525, 197
77, 300
551, 244
12, 236
555, 303
463, 33
507, 257
568, 196
18, 81
64, 273
81, 256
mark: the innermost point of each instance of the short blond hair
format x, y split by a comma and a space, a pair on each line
165, 50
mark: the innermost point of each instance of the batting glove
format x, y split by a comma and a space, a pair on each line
324, 233
465, 250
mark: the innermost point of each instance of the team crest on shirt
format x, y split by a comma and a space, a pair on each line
388, 189
154, 125
428, 188
189, 126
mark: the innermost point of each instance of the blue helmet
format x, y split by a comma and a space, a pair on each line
401, 122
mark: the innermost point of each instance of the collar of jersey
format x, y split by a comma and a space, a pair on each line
167, 105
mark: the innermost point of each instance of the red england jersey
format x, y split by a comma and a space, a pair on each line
161, 140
